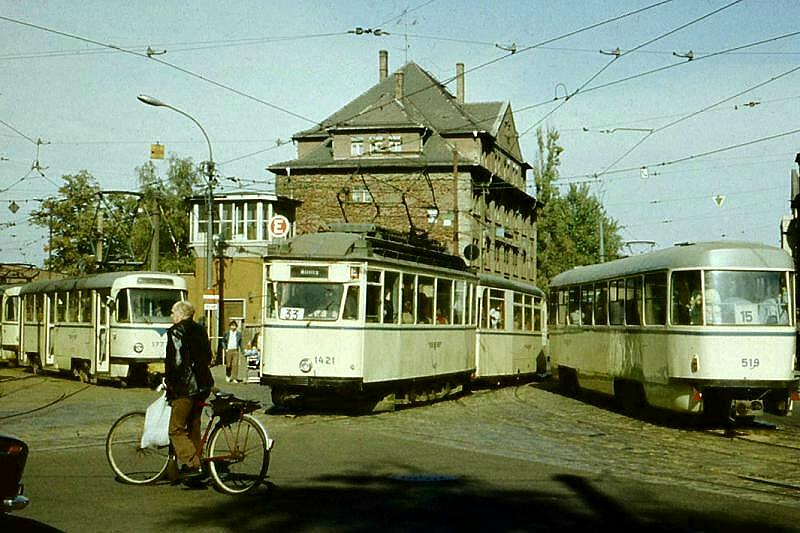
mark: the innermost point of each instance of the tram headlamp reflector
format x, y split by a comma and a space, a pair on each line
305, 366
138, 347
695, 365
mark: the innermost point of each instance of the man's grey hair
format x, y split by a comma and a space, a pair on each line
183, 310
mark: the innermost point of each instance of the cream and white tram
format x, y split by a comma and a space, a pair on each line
706, 327
102, 326
359, 313
510, 339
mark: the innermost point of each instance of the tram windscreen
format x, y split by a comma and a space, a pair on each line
308, 301
733, 298
150, 306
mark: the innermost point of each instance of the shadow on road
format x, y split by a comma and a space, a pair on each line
423, 502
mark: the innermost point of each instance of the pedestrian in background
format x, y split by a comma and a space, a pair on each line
189, 382
232, 341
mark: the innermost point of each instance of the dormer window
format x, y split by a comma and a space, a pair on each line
395, 143
378, 144
360, 195
356, 146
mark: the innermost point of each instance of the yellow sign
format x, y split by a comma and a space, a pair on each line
157, 151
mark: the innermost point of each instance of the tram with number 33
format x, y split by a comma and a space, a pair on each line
359, 313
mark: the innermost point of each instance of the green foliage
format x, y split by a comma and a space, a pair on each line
166, 197
80, 216
568, 225
77, 219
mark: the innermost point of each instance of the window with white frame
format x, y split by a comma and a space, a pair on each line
360, 195
356, 146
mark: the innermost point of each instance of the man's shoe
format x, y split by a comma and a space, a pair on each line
192, 474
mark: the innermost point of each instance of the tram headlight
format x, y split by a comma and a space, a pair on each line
305, 366
138, 347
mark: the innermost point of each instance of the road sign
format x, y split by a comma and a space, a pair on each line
157, 151
279, 226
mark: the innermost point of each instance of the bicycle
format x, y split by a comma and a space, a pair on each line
237, 455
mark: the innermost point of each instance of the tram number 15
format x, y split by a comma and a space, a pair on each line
746, 317
750, 362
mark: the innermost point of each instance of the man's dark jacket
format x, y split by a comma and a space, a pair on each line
188, 360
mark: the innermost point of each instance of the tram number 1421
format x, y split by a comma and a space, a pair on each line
750, 362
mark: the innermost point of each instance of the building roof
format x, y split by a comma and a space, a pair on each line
426, 106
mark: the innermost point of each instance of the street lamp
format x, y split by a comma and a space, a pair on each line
209, 168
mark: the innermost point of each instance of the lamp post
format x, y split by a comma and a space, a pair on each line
209, 170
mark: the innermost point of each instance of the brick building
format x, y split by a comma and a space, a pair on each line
408, 155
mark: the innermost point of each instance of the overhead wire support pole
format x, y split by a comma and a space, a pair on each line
209, 171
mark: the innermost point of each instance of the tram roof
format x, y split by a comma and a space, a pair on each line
491, 280
724, 255
369, 244
91, 281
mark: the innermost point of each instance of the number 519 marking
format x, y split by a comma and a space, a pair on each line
750, 362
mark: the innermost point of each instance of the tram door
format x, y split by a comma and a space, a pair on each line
48, 324
102, 340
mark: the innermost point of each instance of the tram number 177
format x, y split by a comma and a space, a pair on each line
750, 362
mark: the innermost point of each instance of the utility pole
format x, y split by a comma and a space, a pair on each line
98, 247
155, 244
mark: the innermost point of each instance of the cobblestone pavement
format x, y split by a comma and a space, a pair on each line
530, 422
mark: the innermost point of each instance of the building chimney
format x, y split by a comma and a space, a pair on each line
383, 70
398, 85
460, 83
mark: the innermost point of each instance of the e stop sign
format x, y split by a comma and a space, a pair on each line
279, 226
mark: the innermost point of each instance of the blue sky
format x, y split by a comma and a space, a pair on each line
254, 73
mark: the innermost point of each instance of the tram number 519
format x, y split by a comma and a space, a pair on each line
750, 362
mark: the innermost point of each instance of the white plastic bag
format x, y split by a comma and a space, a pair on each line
156, 423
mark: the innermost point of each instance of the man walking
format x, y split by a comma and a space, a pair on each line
189, 382
232, 340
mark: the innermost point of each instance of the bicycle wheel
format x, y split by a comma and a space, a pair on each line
129, 461
238, 456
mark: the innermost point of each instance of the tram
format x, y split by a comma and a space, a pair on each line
696, 328
362, 313
102, 326
510, 340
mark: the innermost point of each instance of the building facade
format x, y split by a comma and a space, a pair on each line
408, 155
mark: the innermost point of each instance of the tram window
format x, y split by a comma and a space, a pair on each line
123, 314
459, 297
528, 313
73, 306
408, 297
537, 314
497, 309
687, 305
271, 301
10, 311
746, 298
61, 306
575, 306
86, 307
600, 304
351, 303
30, 307
391, 297
425, 300
655, 299
373, 296
40, 307
444, 294
633, 301
587, 304
563, 306
616, 302
519, 311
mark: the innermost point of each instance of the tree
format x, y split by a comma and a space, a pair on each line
568, 227
81, 216
166, 197
79, 219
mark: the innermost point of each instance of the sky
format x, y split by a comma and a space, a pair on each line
676, 149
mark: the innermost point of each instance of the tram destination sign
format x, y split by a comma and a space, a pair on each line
316, 272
